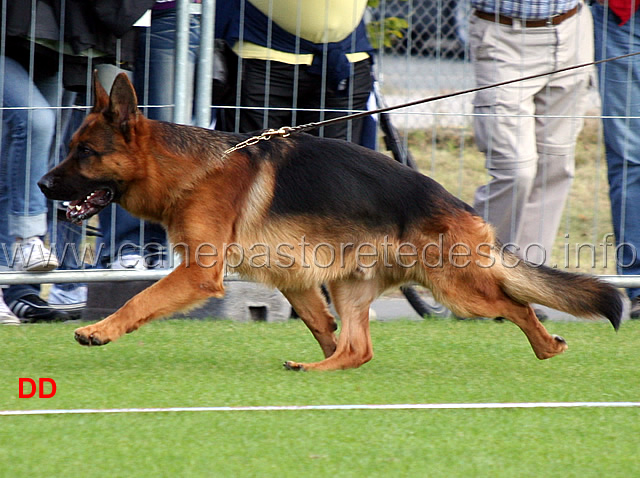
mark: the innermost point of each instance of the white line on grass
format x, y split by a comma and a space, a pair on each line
277, 408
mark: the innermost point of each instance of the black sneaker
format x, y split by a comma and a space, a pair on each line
31, 308
634, 313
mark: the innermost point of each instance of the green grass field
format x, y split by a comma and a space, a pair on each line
182, 363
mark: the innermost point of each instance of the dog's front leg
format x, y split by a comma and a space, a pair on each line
184, 287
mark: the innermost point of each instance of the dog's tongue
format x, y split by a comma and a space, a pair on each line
77, 210
81, 209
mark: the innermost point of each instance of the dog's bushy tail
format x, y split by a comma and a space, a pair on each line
577, 294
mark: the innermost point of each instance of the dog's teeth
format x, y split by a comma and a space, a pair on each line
78, 207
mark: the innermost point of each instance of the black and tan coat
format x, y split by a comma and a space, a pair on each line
295, 213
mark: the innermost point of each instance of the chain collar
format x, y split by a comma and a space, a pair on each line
264, 136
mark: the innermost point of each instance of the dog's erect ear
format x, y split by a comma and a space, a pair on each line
123, 101
123, 104
100, 96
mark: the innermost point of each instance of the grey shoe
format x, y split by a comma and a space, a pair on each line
72, 300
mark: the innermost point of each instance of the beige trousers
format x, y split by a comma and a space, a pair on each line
528, 130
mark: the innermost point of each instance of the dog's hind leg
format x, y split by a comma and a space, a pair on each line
352, 300
311, 306
544, 345
481, 296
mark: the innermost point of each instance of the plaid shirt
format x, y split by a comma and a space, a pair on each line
525, 9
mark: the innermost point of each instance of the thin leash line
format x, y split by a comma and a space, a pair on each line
288, 130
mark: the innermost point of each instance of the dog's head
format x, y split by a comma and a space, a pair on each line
101, 161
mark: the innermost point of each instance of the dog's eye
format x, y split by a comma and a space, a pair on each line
85, 151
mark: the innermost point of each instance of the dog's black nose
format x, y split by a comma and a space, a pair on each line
46, 184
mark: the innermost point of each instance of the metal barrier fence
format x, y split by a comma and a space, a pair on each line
431, 56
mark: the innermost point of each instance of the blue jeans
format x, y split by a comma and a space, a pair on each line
620, 93
154, 78
27, 135
66, 236
121, 235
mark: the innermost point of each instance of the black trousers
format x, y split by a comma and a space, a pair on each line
273, 98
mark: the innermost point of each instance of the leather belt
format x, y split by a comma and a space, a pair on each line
545, 22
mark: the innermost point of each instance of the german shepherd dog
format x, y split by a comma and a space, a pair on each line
294, 213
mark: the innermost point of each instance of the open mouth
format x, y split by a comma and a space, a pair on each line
82, 209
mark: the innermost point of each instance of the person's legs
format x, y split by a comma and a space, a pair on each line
529, 154
125, 238
7, 317
336, 104
6, 240
26, 154
275, 94
68, 238
620, 94
26, 141
120, 235
560, 107
154, 78
504, 126
266, 97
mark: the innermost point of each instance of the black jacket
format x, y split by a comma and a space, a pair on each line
87, 24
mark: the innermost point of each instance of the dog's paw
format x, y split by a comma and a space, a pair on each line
88, 337
559, 339
558, 346
296, 367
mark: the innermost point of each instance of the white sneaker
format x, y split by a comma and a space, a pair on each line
32, 255
6, 316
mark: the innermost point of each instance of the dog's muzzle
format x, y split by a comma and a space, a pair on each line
47, 185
